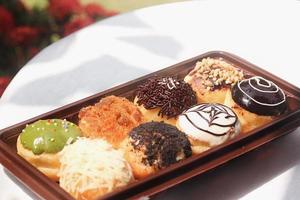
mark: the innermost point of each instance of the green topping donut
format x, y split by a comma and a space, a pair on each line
49, 136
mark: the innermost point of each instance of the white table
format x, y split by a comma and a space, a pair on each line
133, 44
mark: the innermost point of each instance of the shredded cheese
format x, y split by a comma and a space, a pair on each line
92, 164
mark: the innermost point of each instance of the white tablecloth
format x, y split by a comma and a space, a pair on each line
127, 46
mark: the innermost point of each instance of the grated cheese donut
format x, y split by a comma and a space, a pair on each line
92, 168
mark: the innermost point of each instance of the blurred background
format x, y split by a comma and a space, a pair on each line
28, 26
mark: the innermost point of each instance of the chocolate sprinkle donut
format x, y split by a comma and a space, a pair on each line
161, 143
171, 96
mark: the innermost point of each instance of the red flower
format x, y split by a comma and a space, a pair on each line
60, 9
32, 51
4, 81
23, 35
6, 20
76, 24
95, 10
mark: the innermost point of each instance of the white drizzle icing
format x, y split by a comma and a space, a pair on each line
269, 84
209, 122
170, 82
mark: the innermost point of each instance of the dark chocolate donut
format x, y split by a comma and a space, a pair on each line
170, 95
161, 144
260, 96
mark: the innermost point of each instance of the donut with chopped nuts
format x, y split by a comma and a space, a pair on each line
153, 146
40, 142
212, 79
164, 98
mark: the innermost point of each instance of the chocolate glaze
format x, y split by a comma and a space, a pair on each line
170, 95
161, 143
259, 96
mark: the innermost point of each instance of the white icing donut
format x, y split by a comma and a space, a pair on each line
211, 123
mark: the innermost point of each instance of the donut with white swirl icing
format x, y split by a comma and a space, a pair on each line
212, 124
259, 96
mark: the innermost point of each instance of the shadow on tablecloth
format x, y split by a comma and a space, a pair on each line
244, 174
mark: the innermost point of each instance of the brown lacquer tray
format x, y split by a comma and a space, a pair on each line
40, 186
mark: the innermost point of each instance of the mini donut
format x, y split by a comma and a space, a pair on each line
256, 101
208, 125
153, 146
110, 119
212, 78
91, 168
40, 142
164, 98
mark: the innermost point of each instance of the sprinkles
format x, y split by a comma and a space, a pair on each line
170, 95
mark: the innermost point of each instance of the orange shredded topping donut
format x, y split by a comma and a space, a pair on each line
111, 119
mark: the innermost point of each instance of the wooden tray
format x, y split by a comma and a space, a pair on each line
40, 186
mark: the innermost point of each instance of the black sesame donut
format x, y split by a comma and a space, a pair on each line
153, 146
256, 101
163, 99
